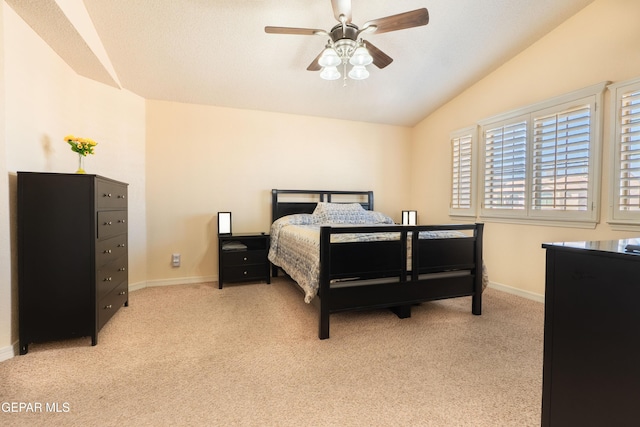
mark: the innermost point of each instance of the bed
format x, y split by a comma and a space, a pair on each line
346, 256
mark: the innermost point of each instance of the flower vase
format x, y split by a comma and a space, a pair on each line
80, 164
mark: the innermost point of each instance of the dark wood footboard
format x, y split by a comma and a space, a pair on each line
376, 274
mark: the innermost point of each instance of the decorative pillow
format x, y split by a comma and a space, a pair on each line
295, 219
341, 213
378, 218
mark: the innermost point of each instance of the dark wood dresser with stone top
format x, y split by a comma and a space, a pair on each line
72, 255
591, 373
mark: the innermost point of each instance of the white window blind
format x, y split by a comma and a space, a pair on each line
625, 190
461, 170
505, 166
560, 160
629, 175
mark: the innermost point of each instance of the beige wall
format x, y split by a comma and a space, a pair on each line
599, 43
202, 159
44, 101
6, 299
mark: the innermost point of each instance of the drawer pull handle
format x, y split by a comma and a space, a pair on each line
106, 195
107, 307
107, 279
122, 221
122, 293
244, 259
121, 245
245, 273
108, 251
121, 269
108, 223
120, 196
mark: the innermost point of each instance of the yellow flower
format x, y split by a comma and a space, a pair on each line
82, 146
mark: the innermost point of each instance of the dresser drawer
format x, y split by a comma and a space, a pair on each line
111, 195
110, 249
111, 223
108, 305
243, 258
111, 275
248, 272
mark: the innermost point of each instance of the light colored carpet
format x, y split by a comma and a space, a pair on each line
248, 355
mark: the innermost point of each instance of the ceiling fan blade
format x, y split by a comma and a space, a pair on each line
380, 59
315, 66
415, 18
342, 8
293, 30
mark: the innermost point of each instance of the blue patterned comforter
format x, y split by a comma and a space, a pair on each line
295, 247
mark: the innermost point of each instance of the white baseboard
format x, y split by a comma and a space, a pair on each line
519, 292
170, 282
9, 352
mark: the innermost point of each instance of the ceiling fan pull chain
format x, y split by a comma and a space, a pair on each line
344, 64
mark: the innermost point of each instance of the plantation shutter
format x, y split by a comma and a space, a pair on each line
629, 152
462, 172
560, 160
505, 166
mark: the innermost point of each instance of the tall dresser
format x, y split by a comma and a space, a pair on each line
72, 255
591, 373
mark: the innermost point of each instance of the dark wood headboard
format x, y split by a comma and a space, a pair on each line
289, 202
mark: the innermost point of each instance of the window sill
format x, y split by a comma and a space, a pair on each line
541, 222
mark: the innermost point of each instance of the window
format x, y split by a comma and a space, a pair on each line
625, 193
463, 143
561, 147
541, 163
505, 165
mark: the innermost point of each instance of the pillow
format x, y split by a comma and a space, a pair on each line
295, 219
378, 218
341, 213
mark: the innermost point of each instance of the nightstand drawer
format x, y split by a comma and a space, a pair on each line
248, 272
244, 258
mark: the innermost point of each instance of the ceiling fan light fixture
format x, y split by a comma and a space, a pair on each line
361, 56
358, 72
345, 48
329, 58
330, 73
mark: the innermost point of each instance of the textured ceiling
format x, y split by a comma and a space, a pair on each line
215, 52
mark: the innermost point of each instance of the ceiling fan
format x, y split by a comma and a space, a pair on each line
346, 48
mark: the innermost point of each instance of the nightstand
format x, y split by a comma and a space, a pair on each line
243, 257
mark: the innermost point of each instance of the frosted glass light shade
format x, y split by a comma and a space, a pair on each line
358, 72
329, 58
330, 73
361, 57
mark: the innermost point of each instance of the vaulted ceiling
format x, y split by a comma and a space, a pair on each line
216, 52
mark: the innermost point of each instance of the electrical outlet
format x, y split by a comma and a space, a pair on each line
175, 260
